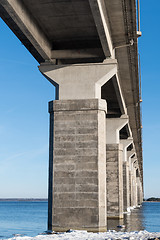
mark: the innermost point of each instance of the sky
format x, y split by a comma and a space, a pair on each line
149, 49
24, 118
24, 121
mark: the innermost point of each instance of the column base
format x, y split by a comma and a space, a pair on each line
88, 229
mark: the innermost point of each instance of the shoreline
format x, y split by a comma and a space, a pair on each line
23, 199
83, 235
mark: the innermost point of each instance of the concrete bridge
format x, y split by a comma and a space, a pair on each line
88, 50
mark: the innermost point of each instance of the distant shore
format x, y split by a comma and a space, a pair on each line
152, 199
23, 199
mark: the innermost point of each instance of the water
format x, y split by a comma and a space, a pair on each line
151, 212
146, 218
30, 218
24, 218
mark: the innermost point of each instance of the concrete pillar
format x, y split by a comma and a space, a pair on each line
135, 187
131, 189
138, 191
139, 187
133, 183
129, 155
136, 180
141, 193
126, 202
77, 173
114, 167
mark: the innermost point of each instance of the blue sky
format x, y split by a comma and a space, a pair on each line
149, 49
24, 118
24, 121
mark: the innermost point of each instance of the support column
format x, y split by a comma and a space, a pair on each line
130, 154
139, 187
126, 203
77, 186
126, 186
77, 172
136, 194
138, 191
114, 167
133, 183
141, 193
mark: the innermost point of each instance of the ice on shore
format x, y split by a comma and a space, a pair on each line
84, 235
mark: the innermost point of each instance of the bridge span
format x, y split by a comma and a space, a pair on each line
88, 49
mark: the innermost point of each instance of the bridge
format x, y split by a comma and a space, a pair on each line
88, 49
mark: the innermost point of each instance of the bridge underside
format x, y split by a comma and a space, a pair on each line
84, 49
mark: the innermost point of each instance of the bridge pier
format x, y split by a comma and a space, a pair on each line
132, 187
126, 204
139, 188
130, 154
133, 182
77, 171
114, 167
77, 174
126, 143
114, 153
138, 191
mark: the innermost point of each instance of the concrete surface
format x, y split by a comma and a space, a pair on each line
114, 169
77, 172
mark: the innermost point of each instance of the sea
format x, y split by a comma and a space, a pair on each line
29, 218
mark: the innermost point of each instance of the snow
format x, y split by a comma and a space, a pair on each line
84, 235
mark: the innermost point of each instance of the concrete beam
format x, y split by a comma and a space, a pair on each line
77, 53
26, 23
113, 126
101, 20
126, 143
79, 81
120, 95
131, 153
